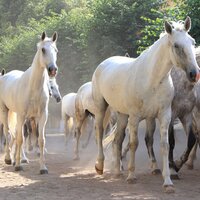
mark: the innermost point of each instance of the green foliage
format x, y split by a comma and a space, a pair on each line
155, 25
192, 9
89, 31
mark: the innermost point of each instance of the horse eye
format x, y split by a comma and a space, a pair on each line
43, 50
52, 87
176, 46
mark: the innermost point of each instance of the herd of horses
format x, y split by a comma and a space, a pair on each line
162, 83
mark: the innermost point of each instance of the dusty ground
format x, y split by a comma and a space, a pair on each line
68, 179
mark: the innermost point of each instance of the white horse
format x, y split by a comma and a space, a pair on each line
68, 114
85, 114
54, 89
30, 126
142, 89
26, 94
84, 106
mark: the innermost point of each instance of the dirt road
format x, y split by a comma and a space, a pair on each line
77, 180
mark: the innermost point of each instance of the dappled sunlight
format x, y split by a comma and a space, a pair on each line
13, 179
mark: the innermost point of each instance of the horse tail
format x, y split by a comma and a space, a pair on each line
71, 125
109, 139
107, 119
12, 122
68, 127
84, 129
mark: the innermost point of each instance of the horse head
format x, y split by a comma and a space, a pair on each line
182, 48
54, 89
48, 53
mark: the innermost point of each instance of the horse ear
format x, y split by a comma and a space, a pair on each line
55, 36
168, 27
43, 36
187, 23
3, 71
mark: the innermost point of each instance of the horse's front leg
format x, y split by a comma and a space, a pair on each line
41, 140
172, 165
150, 129
19, 141
122, 121
164, 119
133, 128
4, 118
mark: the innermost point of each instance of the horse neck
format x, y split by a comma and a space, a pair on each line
38, 76
159, 62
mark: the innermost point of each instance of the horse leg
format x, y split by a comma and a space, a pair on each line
19, 141
187, 124
164, 119
41, 141
29, 136
172, 165
122, 121
24, 159
150, 129
4, 119
1, 138
13, 149
133, 128
66, 125
79, 123
89, 120
191, 157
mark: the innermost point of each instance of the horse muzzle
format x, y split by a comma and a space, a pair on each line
58, 99
52, 70
193, 76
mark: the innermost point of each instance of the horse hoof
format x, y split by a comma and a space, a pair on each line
76, 158
169, 189
8, 161
174, 177
131, 180
99, 171
190, 167
156, 172
24, 161
43, 171
18, 168
178, 165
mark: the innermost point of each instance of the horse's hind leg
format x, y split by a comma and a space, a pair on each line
41, 140
150, 129
133, 128
67, 128
1, 137
88, 121
187, 124
4, 119
122, 121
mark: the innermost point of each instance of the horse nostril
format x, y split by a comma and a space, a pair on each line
193, 75
58, 99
